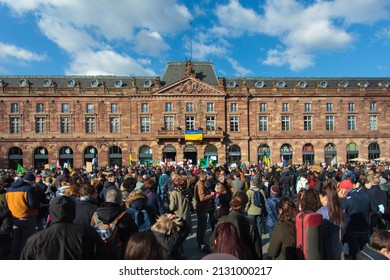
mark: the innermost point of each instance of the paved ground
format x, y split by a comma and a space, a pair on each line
191, 246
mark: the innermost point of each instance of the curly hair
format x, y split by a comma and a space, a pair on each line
287, 214
310, 200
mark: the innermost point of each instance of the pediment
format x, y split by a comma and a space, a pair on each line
191, 86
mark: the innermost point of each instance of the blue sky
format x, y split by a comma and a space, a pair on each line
252, 38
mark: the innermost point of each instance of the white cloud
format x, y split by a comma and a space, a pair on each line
11, 53
101, 26
383, 33
107, 62
240, 70
150, 43
303, 29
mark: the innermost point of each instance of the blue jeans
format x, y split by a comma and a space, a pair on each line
201, 227
258, 221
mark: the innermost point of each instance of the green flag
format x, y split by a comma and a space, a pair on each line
20, 169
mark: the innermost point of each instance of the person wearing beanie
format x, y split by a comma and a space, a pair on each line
271, 205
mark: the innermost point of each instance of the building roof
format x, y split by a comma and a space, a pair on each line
203, 71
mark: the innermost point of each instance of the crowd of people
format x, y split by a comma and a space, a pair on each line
144, 212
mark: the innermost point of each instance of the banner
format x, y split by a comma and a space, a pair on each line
193, 135
89, 166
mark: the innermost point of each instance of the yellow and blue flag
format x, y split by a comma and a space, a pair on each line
193, 135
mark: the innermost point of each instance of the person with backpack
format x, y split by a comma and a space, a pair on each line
140, 211
64, 240
309, 227
113, 223
255, 208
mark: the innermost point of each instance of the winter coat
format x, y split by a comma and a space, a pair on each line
64, 240
203, 197
85, 207
171, 243
251, 208
369, 253
357, 207
22, 200
272, 206
282, 246
180, 206
6, 224
155, 202
109, 211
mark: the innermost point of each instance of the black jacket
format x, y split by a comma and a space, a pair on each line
108, 212
370, 254
64, 240
85, 207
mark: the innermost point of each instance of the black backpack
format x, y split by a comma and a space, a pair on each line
110, 235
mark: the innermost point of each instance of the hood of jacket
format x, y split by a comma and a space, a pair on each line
19, 183
137, 201
108, 211
62, 209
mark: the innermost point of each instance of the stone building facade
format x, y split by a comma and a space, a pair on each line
115, 119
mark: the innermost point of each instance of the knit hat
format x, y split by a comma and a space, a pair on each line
275, 189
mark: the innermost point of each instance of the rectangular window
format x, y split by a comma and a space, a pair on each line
329, 107
40, 108
145, 124
168, 107
210, 107
190, 123
189, 107
307, 123
373, 106
114, 125
263, 107
351, 122
307, 107
168, 123
233, 107
285, 107
373, 122
210, 122
65, 108
285, 123
329, 123
90, 108
90, 125
234, 124
263, 123
65, 124
40, 125
14, 125
351, 107
144, 107
114, 108
14, 108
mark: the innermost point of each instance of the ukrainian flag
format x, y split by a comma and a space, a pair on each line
193, 135
267, 158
